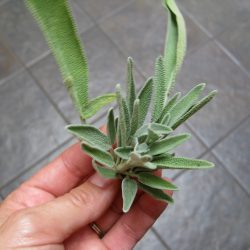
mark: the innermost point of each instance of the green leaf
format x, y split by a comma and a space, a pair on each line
195, 108
130, 86
56, 22
156, 193
153, 181
168, 106
90, 135
159, 89
116, 123
158, 128
105, 172
166, 119
129, 190
145, 98
123, 152
98, 155
124, 120
96, 104
167, 144
160, 157
150, 165
111, 128
141, 148
135, 117
119, 133
175, 46
182, 163
152, 136
184, 104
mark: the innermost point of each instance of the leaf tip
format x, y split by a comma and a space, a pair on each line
201, 85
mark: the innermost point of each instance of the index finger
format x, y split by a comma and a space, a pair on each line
63, 173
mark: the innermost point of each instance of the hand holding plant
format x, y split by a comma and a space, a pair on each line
140, 138
52, 211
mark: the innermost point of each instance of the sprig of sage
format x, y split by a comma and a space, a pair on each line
139, 137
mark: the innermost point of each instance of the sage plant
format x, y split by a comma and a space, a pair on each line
139, 137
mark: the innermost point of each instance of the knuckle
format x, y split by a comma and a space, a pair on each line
25, 221
81, 198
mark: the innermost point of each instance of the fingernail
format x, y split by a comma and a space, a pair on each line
99, 181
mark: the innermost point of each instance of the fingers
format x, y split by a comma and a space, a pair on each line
113, 214
57, 178
108, 219
56, 220
64, 173
130, 228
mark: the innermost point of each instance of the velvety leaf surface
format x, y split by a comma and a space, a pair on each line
90, 135
111, 128
105, 172
155, 181
167, 144
158, 128
65, 45
185, 103
195, 108
130, 86
123, 152
182, 163
129, 190
145, 98
96, 104
98, 155
156, 193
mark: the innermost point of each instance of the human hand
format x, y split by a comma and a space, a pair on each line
53, 209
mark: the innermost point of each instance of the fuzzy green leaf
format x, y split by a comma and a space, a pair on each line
116, 123
162, 157
195, 108
96, 104
153, 181
184, 104
111, 128
156, 193
105, 172
124, 119
145, 98
158, 128
150, 165
168, 106
129, 190
123, 152
130, 86
90, 135
135, 117
119, 134
167, 144
175, 46
159, 89
182, 163
56, 22
152, 136
166, 119
98, 155
141, 148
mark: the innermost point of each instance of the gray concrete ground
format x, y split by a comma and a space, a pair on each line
211, 210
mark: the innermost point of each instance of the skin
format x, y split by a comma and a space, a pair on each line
53, 209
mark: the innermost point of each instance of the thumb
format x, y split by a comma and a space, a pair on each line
56, 220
